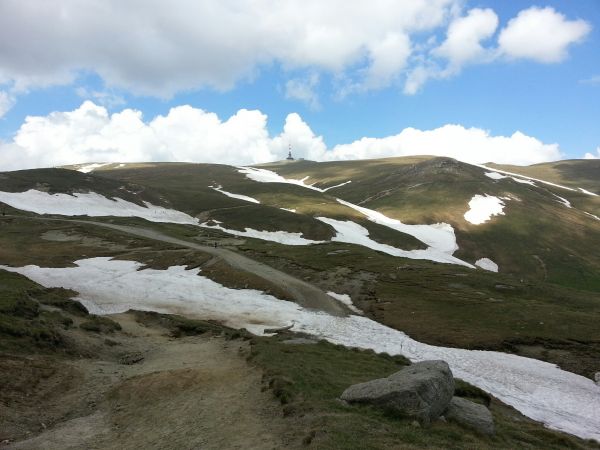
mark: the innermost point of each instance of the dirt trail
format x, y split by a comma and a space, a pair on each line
301, 292
196, 392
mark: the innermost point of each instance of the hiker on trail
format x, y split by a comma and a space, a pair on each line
215, 245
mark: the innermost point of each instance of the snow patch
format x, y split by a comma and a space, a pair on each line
487, 264
352, 233
268, 176
219, 188
289, 210
92, 205
591, 215
346, 300
87, 168
540, 390
281, 237
439, 236
337, 186
482, 208
523, 177
564, 201
495, 175
499, 176
588, 192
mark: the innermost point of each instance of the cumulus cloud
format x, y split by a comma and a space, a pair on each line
466, 144
464, 36
158, 48
590, 155
152, 47
541, 34
91, 134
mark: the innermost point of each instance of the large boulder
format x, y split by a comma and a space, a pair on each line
471, 415
422, 391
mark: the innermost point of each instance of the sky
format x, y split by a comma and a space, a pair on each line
238, 81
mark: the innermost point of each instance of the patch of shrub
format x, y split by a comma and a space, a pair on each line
100, 324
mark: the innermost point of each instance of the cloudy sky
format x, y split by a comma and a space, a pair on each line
237, 81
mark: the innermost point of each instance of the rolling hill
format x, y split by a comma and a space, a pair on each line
457, 256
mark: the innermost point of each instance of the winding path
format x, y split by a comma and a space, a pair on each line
301, 292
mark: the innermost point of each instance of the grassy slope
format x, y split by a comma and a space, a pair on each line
538, 238
308, 380
439, 304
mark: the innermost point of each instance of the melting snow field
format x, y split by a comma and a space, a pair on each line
281, 237
238, 196
499, 176
268, 176
487, 264
560, 399
353, 233
346, 300
439, 236
92, 205
91, 167
482, 208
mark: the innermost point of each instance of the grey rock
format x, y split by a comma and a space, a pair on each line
597, 378
421, 391
471, 415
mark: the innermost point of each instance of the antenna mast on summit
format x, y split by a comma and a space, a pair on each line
290, 157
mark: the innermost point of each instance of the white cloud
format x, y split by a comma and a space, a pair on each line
466, 144
464, 36
541, 34
592, 155
6, 102
91, 134
304, 89
159, 48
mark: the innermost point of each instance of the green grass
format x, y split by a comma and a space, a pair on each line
25, 326
308, 380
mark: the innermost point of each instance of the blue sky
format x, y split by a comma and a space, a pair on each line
549, 93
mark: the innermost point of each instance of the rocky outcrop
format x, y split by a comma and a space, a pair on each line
421, 391
471, 415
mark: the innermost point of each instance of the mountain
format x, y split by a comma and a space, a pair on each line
457, 256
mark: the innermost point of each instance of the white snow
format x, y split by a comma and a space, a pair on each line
281, 237
268, 176
591, 215
346, 300
482, 208
353, 233
499, 176
588, 192
337, 185
219, 188
91, 204
289, 210
543, 392
564, 201
487, 264
522, 181
87, 168
495, 175
439, 236
523, 177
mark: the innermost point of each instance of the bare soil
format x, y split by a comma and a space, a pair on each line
144, 389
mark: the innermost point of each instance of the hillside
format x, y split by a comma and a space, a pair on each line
459, 257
